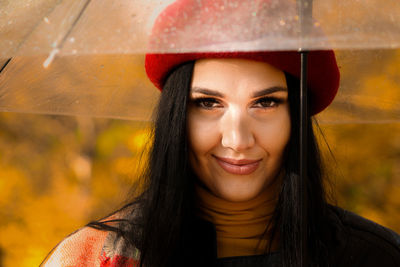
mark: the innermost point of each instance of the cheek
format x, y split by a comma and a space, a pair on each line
202, 134
274, 135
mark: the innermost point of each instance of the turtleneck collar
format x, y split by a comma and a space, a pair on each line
239, 225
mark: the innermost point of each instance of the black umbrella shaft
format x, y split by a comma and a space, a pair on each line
303, 156
305, 14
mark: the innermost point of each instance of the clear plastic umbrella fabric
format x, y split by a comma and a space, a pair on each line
85, 57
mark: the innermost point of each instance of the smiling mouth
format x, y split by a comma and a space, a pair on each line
241, 167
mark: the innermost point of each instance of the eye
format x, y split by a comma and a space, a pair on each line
268, 102
207, 102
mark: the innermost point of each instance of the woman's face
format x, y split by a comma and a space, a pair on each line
238, 126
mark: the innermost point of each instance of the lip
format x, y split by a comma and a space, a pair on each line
238, 166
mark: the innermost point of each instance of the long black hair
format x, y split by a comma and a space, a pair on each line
166, 205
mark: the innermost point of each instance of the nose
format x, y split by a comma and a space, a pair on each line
236, 131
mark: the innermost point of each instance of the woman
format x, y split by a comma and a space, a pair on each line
222, 177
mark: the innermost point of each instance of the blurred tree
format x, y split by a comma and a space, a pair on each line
56, 174
365, 169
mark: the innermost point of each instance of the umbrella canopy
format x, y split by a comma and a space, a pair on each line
114, 27
85, 57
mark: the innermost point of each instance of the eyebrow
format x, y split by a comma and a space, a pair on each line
262, 92
270, 91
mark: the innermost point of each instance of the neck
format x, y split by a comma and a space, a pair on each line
241, 227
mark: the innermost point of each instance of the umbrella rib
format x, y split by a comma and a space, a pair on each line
73, 25
5, 65
57, 49
34, 28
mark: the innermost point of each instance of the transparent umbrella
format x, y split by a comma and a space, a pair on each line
85, 57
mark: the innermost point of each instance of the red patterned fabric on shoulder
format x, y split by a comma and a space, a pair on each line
93, 247
118, 261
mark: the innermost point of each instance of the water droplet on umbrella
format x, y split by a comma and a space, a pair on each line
50, 58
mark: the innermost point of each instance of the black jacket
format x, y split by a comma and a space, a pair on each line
354, 241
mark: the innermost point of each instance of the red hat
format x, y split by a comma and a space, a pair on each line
323, 72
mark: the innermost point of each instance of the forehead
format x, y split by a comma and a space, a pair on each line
227, 74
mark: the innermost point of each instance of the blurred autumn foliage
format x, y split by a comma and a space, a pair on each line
57, 173
365, 169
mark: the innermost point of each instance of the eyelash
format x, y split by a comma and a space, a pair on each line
276, 101
200, 102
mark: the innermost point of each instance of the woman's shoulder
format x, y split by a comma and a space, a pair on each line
80, 248
363, 242
90, 246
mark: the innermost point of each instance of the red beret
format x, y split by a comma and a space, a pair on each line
323, 72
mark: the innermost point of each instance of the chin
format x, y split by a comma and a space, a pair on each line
237, 193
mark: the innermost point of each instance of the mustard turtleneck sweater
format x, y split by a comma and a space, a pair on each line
239, 225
